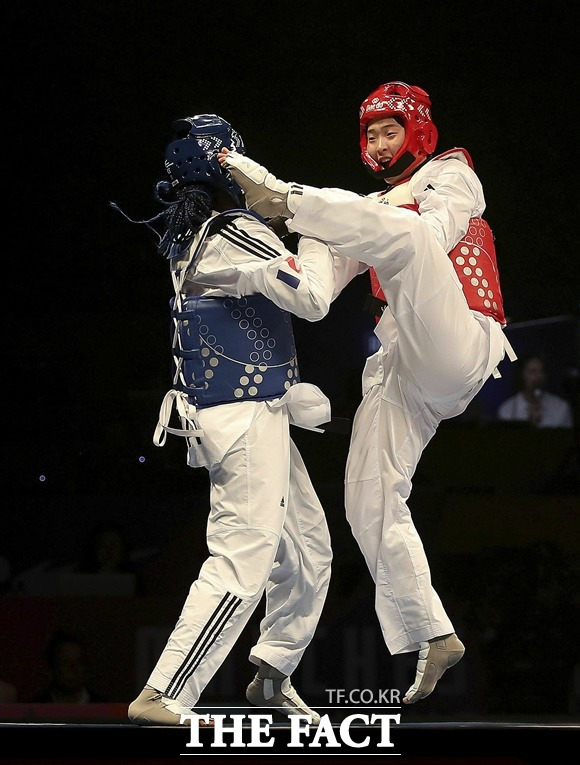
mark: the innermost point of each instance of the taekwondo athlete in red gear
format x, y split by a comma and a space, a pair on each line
235, 391
441, 335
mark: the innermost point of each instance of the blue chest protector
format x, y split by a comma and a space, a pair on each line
232, 349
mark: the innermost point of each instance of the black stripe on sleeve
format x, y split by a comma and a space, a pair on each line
258, 244
238, 242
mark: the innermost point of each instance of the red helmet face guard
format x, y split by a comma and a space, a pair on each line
413, 106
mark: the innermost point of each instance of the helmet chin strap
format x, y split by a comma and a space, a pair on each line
398, 168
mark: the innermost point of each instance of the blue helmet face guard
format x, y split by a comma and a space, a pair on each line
192, 155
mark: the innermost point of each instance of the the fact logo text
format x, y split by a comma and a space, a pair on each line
303, 733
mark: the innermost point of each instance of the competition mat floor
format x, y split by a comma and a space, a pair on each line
109, 737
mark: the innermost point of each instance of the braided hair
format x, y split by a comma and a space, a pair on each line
186, 210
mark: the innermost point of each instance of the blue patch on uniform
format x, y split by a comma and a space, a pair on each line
291, 281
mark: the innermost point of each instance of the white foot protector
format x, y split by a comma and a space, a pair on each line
434, 658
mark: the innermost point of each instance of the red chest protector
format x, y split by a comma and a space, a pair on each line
475, 264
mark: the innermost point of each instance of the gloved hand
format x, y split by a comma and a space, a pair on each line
264, 193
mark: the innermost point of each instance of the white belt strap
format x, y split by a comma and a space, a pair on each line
185, 411
509, 350
511, 354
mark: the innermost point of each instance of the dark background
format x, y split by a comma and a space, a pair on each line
93, 89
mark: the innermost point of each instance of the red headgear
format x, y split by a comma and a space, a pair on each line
410, 103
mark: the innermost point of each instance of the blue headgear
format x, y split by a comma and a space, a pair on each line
192, 155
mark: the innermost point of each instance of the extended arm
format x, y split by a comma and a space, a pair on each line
248, 258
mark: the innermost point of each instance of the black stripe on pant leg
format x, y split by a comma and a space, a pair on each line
209, 641
204, 649
215, 623
199, 638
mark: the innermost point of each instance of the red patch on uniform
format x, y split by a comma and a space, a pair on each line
293, 264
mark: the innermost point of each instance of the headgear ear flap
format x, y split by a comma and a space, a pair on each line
413, 105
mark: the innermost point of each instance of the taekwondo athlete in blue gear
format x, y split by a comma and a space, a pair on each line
236, 389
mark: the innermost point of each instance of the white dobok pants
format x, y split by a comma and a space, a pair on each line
266, 532
436, 355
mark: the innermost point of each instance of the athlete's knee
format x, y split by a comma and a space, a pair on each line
243, 559
411, 242
417, 248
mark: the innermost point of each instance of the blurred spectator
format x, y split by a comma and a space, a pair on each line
105, 566
107, 551
533, 403
68, 674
